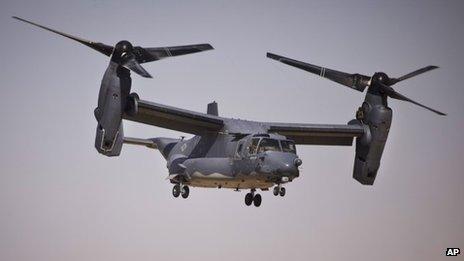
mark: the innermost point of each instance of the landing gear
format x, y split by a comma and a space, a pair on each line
185, 191
257, 200
278, 190
176, 190
180, 190
252, 198
275, 191
248, 199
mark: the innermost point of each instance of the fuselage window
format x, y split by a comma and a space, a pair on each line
267, 144
253, 146
288, 146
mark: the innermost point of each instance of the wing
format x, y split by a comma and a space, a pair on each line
318, 134
196, 123
175, 118
144, 55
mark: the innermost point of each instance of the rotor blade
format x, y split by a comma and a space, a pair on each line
355, 81
412, 74
132, 64
396, 95
102, 48
144, 55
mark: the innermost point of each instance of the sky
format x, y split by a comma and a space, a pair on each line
61, 200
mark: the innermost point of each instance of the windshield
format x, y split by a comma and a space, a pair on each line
267, 144
288, 146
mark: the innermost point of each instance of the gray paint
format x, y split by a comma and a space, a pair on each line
68, 204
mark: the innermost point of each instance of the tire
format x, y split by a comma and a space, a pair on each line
257, 200
248, 199
282, 192
276, 191
185, 191
176, 190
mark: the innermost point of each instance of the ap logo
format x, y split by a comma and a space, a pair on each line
452, 251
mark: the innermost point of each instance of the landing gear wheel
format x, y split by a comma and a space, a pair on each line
282, 192
176, 190
185, 191
276, 191
248, 199
257, 200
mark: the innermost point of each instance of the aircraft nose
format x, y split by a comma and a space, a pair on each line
280, 163
285, 163
287, 168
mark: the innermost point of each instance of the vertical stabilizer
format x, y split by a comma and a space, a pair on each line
212, 109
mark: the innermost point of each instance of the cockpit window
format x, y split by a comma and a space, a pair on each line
267, 144
288, 146
253, 146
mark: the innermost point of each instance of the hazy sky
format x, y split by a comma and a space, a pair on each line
61, 200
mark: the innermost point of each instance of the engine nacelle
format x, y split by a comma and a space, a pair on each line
369, 148
109, 147
112, 103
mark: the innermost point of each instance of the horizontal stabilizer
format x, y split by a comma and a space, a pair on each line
142, 142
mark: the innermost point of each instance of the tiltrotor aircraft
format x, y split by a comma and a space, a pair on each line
233, 153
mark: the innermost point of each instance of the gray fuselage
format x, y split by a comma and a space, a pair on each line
230, 161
